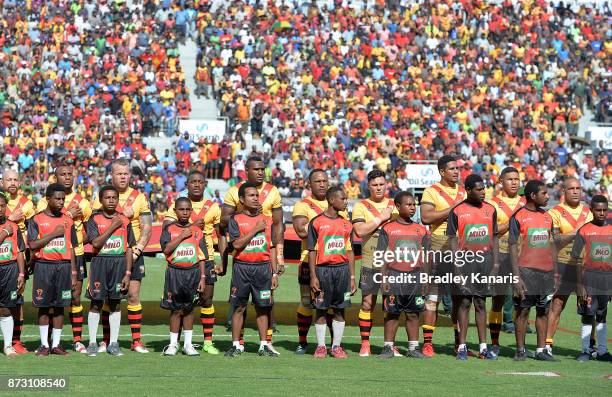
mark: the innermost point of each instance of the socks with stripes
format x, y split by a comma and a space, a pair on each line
207, 318
17, 327
495, 320
365, 325
428, 331
304, 321
135, 320
550, 342
76, 321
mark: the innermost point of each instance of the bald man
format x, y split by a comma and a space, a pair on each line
568, 217
19, 209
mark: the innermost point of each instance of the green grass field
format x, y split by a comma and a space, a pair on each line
152, 374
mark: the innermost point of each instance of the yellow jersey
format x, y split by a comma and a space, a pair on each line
365, 211
26, 206
567, 220
269, 198
505, 207
441, 197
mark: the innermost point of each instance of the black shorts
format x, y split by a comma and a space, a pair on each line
335, 284
8, 284
367, 285
105, 278
304, 274
138, 269
251, 279
52, 285
568, 279
539, 285
473, 272
211, 276
505, 269
181, 288
81, 267
404, 297
597, 282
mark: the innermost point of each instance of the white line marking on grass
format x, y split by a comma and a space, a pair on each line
546, 374
216, 335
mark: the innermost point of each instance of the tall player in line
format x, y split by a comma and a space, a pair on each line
270, 206
12, 274
436, 203
505, 204
79, 210
135, 206
206, 215
18, 209
303, 212
568, 217
369, 216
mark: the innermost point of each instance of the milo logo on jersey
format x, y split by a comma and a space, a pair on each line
57, 245
6, 251
477, 234
113, 246
601, 252
257, 244
334, 245
538, 237
185, 253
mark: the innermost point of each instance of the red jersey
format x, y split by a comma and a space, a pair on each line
409, 237
474, 226
331, 238
258, 249
190, 251
118, 243
532, 231
58, 249
12, 245
594, 245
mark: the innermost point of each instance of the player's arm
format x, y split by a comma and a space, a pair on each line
429, 215
576, 255
451, 230
169, 245
300, 225
561, 240
146, 230
74, 241
363, 228
312, 258
20, 262
98, 240
425, 265
38, 243
351, 259
381, 249
129, 261
553, 253
226, 213
278, 235
514, 232
274, 265
6, 232
496, 264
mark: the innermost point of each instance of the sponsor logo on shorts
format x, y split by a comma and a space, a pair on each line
6, 251
113, 246
96, 286
185, 253
39, 294
265, 294
66, 294
419, 301
333, 245
234, 292
118, 287
477, 234
538, 237
549, 297
601, 252
57, 245
391, 300
13, 295
169, 296
347, 296
257, 244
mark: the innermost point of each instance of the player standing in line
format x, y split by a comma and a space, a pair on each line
52, 238
206, 215
254, 270
436, 203
593, 243
531, 229
303, 212
332, 270
111, 236
568, 217
403, 297
135, 206
184, 245
505, 204
270, 205
12, 273
18, 209
368, 216
79, 210
472, 227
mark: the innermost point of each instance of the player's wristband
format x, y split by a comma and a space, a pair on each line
69, 214
21, 275
274, 274
128, 273
74, 273
6, 231
352, 277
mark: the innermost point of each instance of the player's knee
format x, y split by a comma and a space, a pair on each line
76, 300
431, 305
465, 303
542, 311
207, 302
96, 306
479, 304
239, 309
